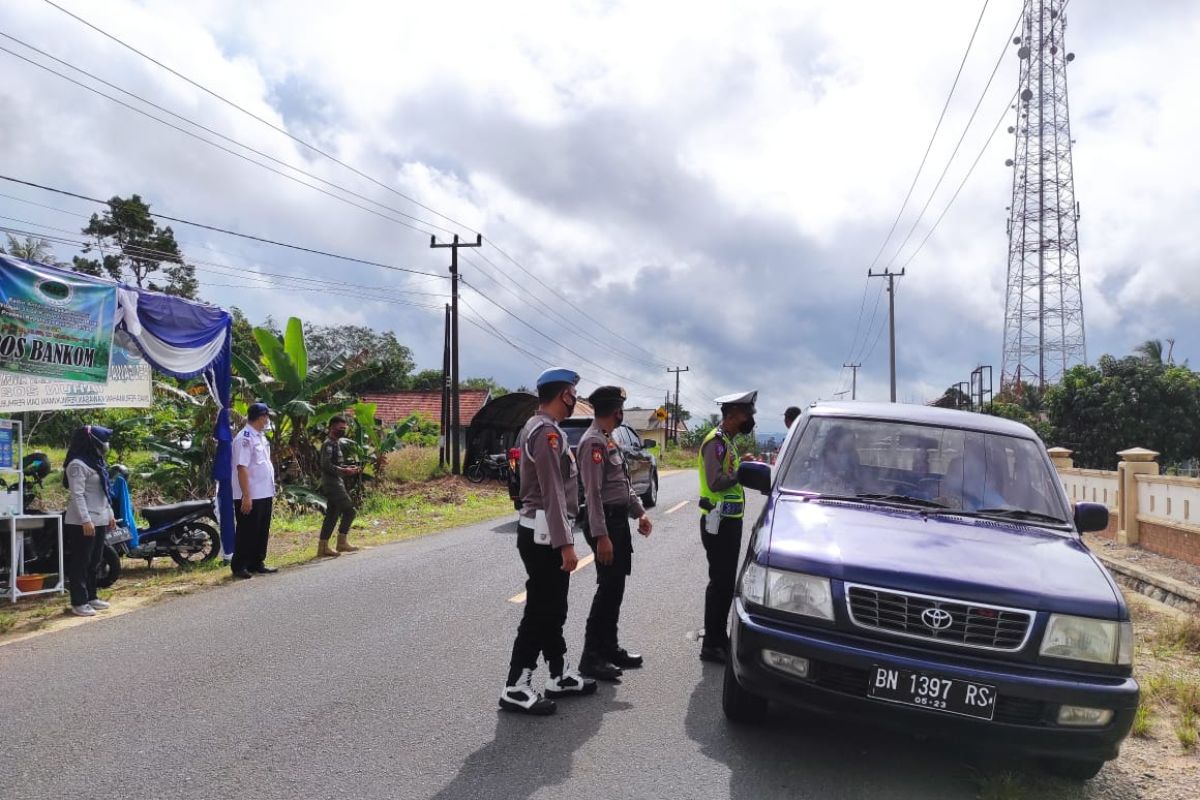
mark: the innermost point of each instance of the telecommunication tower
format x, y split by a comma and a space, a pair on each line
1043, 314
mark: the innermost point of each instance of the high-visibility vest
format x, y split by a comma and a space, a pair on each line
731, 501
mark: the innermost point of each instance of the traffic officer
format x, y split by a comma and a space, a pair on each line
546, 543
722, 507
610, 504
338, 503
253, 494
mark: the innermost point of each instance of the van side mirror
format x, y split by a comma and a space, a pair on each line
1091, 517
754, 475
649, 444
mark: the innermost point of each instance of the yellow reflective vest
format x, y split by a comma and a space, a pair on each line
731, 501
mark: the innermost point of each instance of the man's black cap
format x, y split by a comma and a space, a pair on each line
607, 395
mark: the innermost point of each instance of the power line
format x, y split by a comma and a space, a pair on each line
221, 147
307, 145
227, 232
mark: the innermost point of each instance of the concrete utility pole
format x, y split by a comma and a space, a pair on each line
674, 413
456, 463
853, 379
444, 443
891, 290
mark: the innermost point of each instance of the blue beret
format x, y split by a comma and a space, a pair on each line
558, 375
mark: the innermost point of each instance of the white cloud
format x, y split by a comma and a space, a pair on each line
710, 180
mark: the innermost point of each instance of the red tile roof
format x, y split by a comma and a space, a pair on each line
394, 407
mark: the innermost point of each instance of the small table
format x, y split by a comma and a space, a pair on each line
34, 524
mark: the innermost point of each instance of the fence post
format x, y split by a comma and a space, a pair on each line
1135, 461
1061, 457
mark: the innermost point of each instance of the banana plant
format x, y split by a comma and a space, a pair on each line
370, 443
302, 394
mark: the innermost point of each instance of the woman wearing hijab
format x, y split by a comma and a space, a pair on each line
89, 514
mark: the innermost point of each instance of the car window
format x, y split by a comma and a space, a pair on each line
959, 469
626, 439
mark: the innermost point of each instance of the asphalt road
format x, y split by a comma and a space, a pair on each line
376, 676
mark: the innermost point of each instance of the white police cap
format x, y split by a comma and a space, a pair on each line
558, 375
739, 399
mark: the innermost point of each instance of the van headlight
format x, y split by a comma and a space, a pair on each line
1100, 641
790, 592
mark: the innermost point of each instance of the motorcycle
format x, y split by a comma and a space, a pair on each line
180, 531
493, 466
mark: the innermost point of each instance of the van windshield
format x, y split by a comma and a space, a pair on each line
948, 468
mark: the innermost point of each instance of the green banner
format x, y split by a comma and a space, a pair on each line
54, 324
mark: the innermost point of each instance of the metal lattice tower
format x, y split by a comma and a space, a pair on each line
1043, 315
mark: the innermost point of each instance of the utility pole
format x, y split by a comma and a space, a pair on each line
853, 379
674, 413
444, 444
891, 290
456, 462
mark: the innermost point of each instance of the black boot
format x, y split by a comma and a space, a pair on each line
595, 666
622, 658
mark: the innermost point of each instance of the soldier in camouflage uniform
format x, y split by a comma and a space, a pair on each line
338, 503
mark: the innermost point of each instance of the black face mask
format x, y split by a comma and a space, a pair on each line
570, 406
747, 426
619, 418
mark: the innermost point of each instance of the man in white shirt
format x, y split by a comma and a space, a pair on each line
253, 494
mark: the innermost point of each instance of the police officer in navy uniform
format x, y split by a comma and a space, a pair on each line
253, 494
546, 543
722, 508
610, 504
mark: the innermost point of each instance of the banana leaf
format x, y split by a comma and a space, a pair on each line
283, 369
293, 345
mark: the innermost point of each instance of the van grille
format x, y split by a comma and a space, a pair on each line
938, 619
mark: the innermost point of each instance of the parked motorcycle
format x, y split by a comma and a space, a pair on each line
180, 531
493, 466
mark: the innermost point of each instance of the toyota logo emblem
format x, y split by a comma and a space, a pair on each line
936, 619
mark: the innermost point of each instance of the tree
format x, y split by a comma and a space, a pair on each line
953, 397
427, 380
678, 412
389, 361
1126, 402
1151, 350
243, 336
486, 384
133, 248
29, 249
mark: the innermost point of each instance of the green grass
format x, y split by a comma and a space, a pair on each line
1185, 730
1143, 721
1180, 635
676, 458
413, 465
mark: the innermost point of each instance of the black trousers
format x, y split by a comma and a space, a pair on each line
723, 548
541, 628
600, 637
85, 555
338, 505
251, 534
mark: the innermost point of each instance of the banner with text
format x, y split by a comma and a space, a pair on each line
129, 386
54, 324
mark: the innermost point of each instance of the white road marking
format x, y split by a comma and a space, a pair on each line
583, 562
675, 508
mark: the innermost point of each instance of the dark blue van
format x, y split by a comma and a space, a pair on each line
923, 568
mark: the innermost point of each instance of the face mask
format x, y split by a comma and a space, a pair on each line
619, 418
569, 403
747, 426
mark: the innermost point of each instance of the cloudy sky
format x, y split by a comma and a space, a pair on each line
692, 184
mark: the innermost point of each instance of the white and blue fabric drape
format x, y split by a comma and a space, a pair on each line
185, 339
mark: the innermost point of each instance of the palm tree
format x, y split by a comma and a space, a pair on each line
29, 250
1151, 350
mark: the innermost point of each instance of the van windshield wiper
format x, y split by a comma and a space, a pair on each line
903, 498
875, 499
1022, 514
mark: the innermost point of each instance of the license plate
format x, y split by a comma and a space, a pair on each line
948, 695
122, 535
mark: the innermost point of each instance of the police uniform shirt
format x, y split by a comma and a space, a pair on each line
713, 452
548, 478
605, 479
252, 451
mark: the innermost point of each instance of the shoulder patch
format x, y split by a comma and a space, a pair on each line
720, 449
597, 453
552, 439
246, 434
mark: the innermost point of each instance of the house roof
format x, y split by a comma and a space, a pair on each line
393, 407
644, 419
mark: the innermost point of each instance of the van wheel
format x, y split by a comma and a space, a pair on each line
738, 704
1074, 769
650, 498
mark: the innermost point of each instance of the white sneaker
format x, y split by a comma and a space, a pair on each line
522, 698
84, 610
100, 605
569, 683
